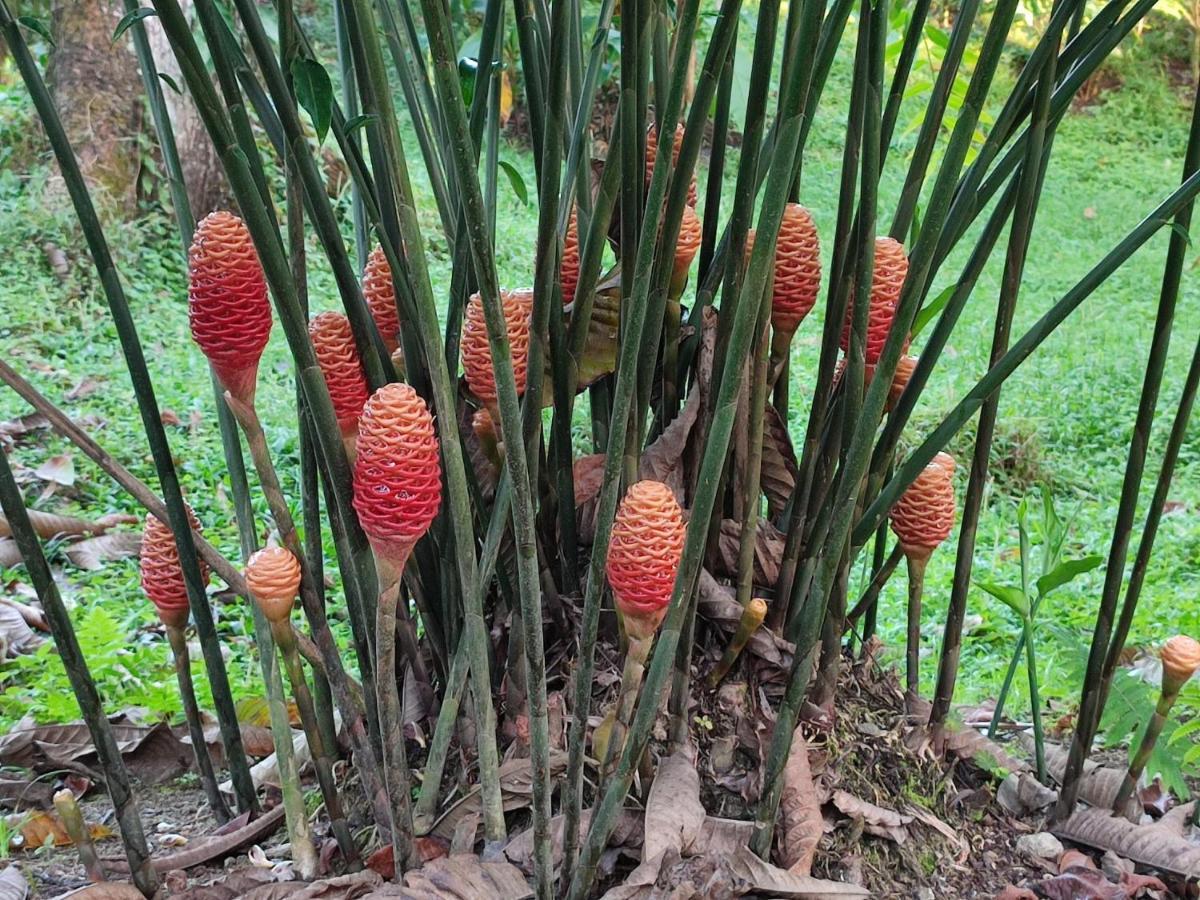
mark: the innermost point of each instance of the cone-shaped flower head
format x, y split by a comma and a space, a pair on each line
162, 575
397, 476
643, 556
797, 269
569, 277
477, 353
380, 295
227, 301
891, 268
652, 157
904, 370
924, 515
1180, 659
686, 246
337, 355
273, 577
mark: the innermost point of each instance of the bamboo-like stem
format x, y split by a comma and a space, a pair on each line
147, 406
752, 466
395, 759
662, 663
636, 655
870, 597
116, 777
285, 639
1029, 187
1138, 763
425, 809
403, 229
191, 713
752, 617
71, 817
1102, 657
1035, 702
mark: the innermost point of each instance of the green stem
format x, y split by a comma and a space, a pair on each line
116, 778
1035, 702
191, 713
752, 618
870, 598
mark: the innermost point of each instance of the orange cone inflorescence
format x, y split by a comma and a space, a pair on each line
797, 269
652, 157
569, 277
337, 355
643, 555
924, 516
904, 370
228, 310
380, 295
273, 577
477, 353
397, 476
686, 247
162, 576
1180, 659
891, 268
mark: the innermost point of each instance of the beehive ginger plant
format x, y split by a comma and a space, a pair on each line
641, 312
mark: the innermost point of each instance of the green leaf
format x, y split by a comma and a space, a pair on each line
1054, 533
37, 26
314, 91
932, 309
517, 182
127, 20
1065, 572
170, 82
1009, 595
352, 125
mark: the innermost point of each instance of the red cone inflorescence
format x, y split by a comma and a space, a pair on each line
797, 269
924, 515
904, 370
643, 555
162, 575
652, 157
333, 342
569, 276
380, 295
891, 268
686, 247
477, 352
397, 476
273, 577
228, 309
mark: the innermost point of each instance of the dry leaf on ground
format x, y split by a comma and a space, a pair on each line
674, 813
59, 469
460, 878
877, 820
800, 822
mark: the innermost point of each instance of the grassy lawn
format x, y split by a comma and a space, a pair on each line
1066, 414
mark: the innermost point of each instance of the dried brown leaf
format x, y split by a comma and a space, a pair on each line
716, 604
768, 551
877, 820
600, 348
663, 460
1098, 785
674, 813
58, 469
800, 822
461, 878
13, 885
93, 553
1151, 845
779, 467
32, 830
516, 786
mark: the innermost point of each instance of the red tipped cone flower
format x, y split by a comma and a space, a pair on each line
477, 352
686, 246
569, 276
891, 268
924, 515
797, 269
162, 575
227, 301
904, 370
643, 556
652, 157
1180, 659
273, 577
380, 295
333, 342
397, 476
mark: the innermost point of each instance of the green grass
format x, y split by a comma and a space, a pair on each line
1066, 414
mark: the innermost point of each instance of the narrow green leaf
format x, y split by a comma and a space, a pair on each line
931, 309
136, 15
37, 26
170, 82
314, 91
1065, 572
352, 125
517, 182
1007, 594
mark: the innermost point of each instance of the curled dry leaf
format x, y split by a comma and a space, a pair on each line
1157, 846
674, 813
800, 822
516, 789
663, 459
13, 885
59, 469
1099, 784
94, 552
627, 836
768, 551
877, 820
779, 466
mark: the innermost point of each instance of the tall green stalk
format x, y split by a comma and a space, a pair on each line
147, 407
